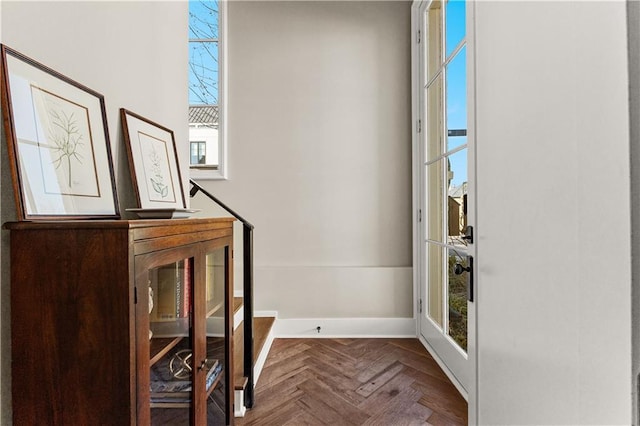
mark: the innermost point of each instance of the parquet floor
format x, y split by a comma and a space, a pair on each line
384, 382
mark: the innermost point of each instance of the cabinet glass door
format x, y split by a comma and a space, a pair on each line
171, 363
217, 336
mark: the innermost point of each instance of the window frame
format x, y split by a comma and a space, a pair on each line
222, 171
198, 144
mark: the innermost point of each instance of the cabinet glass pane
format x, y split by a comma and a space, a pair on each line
216, 350
170, 341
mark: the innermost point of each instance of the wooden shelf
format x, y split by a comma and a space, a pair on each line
159, 347
213, 308
237, 304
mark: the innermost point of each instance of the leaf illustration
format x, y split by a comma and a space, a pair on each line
156, 186
165, 191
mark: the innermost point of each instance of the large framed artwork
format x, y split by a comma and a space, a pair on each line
58, 143
155, 171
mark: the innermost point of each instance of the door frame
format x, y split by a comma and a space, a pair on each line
417, 106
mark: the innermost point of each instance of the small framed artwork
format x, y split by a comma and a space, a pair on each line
58, 143
153, 161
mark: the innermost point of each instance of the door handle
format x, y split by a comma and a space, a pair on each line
459, 269
203, 365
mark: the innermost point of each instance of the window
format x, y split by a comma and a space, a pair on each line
206, 89
198, 153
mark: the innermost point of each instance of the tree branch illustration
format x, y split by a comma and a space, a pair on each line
66, 138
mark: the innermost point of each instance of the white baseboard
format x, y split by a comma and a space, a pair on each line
273, 314
444, 368
345, 327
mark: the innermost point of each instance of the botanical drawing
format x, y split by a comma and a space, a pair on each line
66, 151
65, 135
157, 173
157, 179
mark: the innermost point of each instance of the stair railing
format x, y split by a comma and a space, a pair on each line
247, 242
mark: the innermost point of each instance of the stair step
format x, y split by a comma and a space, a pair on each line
238, 311
261, 329
237, 304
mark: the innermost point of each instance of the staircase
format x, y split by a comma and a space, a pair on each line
252, 341
262, 340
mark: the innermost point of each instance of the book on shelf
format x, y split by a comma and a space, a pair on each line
166, 292
171, 286
167, 389
187, 280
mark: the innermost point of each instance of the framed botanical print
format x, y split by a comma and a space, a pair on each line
153, 161
58, 143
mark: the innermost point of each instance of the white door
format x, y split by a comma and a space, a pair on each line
444, 188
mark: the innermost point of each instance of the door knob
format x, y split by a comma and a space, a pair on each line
458, 269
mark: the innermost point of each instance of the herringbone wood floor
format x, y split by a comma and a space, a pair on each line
383, 382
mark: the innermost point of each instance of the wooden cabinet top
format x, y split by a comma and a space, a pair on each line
149, 234
118, 224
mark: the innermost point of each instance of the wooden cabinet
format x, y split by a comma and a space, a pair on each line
122, 322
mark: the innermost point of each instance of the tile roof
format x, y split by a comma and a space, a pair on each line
203, 114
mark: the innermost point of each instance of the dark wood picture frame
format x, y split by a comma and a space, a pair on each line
154, 163
58, 143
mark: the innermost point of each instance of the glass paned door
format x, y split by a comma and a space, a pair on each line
217, 321
446, 195
171, 361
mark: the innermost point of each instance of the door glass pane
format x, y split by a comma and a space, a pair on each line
457, 197
457, 296
434, 39
435, 120
435, 205
435, 282
170, 341
456, 74
216, 350
456, 25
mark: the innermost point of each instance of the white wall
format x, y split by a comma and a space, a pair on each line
633, 8
320, 154
554, 336
131, 52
